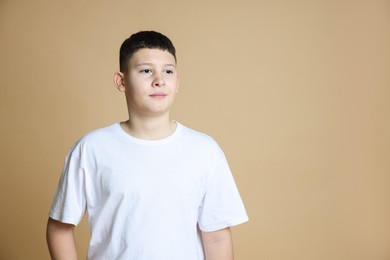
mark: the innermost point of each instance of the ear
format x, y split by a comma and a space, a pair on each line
119, 81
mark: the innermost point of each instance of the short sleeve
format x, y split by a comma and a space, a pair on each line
69, 203
222, 205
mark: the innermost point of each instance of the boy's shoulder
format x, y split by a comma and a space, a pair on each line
196, 135
110, 135
199, 141
99, 134
95, 137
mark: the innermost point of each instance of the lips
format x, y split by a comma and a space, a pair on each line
158, 95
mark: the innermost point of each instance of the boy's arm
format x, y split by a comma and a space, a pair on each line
60, 240
218, 244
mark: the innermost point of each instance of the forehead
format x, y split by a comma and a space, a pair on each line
152, 56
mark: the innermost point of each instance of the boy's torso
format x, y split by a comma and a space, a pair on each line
145, 194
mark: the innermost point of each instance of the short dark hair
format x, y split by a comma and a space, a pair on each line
143, 39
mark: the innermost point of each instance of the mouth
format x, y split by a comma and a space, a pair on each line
158, 95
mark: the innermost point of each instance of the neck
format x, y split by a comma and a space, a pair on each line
149, 128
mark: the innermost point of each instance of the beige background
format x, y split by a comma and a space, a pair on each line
296, 92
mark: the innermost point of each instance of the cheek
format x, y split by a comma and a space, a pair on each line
137, 86
135, 82
175, 84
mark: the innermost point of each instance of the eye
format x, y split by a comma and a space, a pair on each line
146, 71
169, 71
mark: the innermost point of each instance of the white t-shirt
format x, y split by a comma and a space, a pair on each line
147, 200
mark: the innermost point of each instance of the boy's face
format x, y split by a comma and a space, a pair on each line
151, 82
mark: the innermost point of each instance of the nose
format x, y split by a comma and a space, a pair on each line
158, 81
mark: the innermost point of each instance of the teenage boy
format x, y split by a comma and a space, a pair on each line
153, 188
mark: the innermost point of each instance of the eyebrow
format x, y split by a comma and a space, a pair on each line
150, 64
